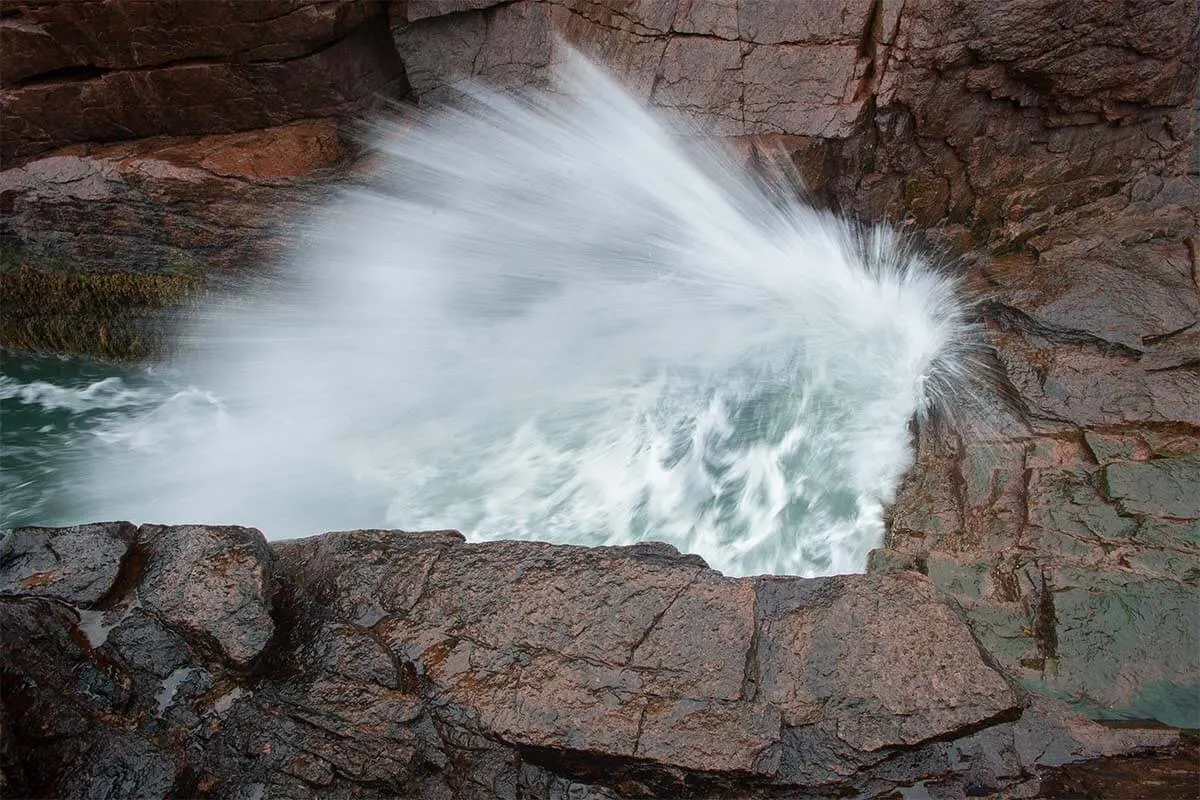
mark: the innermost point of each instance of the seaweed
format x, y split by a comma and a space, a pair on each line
117, 316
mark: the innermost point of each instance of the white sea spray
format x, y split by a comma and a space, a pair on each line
548, 317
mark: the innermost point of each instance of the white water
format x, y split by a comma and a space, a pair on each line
548, 320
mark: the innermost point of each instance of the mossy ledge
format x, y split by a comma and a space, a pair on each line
116, 316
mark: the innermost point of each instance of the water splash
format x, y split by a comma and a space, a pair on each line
547, 318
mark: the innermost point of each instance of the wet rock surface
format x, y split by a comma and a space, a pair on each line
99, 71
215, 582
76, 565
377, 664
146, 226
179, 140
182, 204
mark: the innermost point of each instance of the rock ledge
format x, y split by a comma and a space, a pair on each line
202, 661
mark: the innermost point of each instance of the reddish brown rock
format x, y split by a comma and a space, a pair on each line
1118, 272
588, 649
421, 666
168, 204
778, 76
175, 139
100, 72
1165, 778
949, 113
47, 37
178, 100
1075, 559
1045, 145
115, 239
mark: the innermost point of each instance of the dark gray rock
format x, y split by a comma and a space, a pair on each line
122, 766
78, 565
1164, 487
216, 582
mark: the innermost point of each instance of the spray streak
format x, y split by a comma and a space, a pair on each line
546, 319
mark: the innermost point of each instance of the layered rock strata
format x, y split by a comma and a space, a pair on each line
181, 138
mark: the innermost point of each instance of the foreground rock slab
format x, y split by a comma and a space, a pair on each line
201, 661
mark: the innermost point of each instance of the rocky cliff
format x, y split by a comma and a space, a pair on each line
153, 150
202, 662
1048, 148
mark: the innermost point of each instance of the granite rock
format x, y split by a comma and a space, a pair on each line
77, 565
101, 72
1047, 148
213, 582
375, 664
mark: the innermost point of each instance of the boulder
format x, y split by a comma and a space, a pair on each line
212, 582
218, 203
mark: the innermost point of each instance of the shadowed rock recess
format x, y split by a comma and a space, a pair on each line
1045, 555
201, 661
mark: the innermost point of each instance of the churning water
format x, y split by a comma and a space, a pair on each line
544, 318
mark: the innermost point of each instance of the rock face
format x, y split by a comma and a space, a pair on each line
1082, 578
149, 224
941, 113
377, 664
1046, 146
170, 203
97, 71
177, 138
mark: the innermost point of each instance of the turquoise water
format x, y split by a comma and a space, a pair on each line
59, 416
547, 320
56, 415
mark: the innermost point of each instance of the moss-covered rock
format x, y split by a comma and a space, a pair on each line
113, 315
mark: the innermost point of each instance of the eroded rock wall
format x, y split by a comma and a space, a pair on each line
1046, 147
96, 71
975, 114
179, 138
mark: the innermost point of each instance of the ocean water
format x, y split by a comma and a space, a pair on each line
547, 316
60, 417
